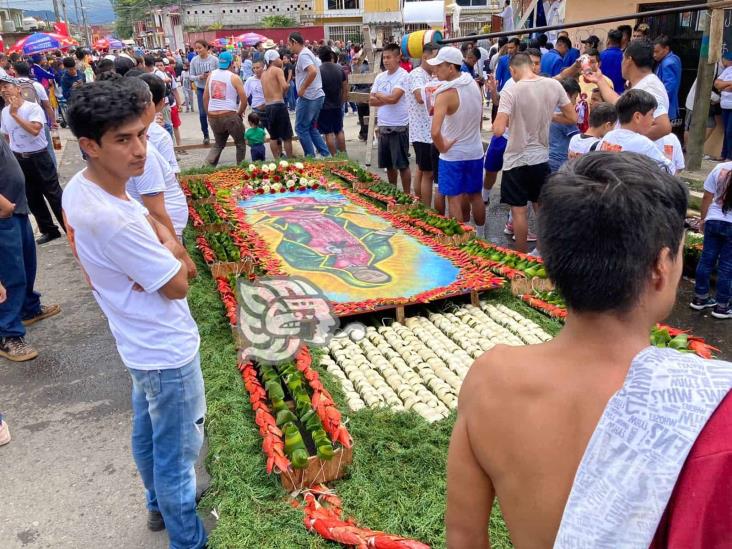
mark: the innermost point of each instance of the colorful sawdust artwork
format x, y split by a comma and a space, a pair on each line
349, 253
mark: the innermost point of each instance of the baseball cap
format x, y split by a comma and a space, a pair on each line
270, 55
447, 55
225, 59
591, 39
165, 61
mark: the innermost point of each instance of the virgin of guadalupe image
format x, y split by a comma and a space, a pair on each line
317, 237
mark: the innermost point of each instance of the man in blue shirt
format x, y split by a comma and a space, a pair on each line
611, 60
552, 62
572, 54
668, 70
503, 73
471, 62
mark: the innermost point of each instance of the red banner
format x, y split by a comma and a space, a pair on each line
61, 28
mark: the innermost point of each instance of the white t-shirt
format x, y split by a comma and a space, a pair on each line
253, 88
726, 76
581, 144
620, 140
670, 146
507, 16
653, 85
160, 138
420, 123
398, 113
715, 185
304, 59
159, 178
152, 332
510, 83
20, 140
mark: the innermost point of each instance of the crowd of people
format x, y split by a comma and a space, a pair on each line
553, 106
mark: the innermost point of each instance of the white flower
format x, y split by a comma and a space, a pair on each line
276, 186
309, 183
303, 181
265, 188
265, 168
283, 163
290, 183
251, 167
272, 166
299, 165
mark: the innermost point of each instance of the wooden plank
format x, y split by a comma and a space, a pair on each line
716, 32
359, 97
474, 299
365, 78
400, 314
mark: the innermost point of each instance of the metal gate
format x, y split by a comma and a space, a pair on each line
344, 33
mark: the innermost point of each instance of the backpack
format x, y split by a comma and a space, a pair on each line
28, 91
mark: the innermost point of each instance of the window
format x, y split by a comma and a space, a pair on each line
472, 3
344, 33
344, 5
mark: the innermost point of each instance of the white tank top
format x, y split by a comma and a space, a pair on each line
464, 126
222, 95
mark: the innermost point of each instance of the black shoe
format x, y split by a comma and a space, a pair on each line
206, 141
155, 522
47, 237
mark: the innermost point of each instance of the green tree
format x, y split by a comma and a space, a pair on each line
128, 11
277, 21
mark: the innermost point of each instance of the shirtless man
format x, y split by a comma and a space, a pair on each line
526, 414
274, 87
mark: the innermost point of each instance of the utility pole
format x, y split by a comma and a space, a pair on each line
63, 12
55, 10
76, 9
711, 48
87, 34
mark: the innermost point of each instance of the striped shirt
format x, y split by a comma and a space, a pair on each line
200, 67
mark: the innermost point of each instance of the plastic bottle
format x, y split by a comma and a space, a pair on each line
56, 139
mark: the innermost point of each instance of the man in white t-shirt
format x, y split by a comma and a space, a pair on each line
22, 122
156, 134
635, 115
310, 97
420, 123
603, 119
671, 148
388, 92
135, 268
529, 107
637, 68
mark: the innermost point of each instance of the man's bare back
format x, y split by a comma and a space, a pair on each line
525, 418
274, 84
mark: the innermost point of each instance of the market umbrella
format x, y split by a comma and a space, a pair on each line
64, 41
40, 42
250, 38
115, 43
101, 44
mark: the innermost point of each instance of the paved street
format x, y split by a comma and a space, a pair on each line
68, 477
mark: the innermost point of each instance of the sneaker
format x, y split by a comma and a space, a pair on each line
45, 312
722, 311
531, 237
16, 349
206, 141
701, 303
4, 433
155, 522
508, 229
47, 237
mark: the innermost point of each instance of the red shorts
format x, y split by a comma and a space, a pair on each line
174, 116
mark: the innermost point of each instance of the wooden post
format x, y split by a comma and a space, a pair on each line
705, 80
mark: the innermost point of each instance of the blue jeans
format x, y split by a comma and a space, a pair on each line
18, 275
202, 113
306, 114
167, 433
291, 96
717, 246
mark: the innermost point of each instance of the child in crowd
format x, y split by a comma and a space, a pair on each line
635, 114
255, 137
670, 146
595, 98
716, 213
602, 119
560, 133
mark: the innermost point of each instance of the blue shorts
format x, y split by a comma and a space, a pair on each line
460, 177
494, 154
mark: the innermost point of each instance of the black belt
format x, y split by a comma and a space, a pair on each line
29, 154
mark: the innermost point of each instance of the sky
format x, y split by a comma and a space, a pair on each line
99, 11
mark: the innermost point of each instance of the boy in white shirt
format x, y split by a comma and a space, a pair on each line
635, 114
671, 148
602, 119
136, 270
156, 134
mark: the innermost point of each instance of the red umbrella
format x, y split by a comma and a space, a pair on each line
250, 38
101, 44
